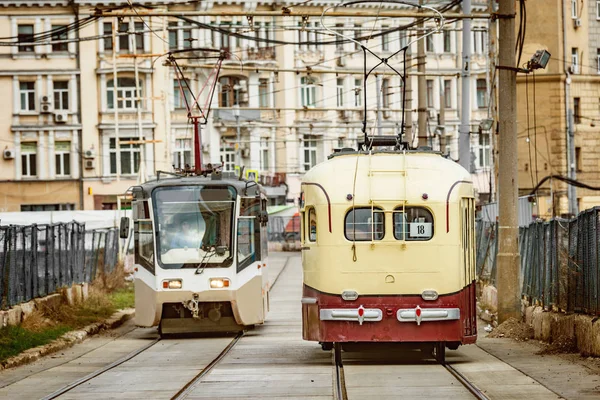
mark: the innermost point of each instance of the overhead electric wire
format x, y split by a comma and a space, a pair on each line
572, 182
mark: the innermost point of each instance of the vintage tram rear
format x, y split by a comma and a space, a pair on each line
388, 250
200, 254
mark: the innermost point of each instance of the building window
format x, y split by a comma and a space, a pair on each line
339, 42
357, 36
61, 95
27, 93
364, 224
125, 94
577, 110
578, 159
385, 39
403, 39
62, 158
29, 159
447, 93
25, 35
358, 87
481, 93
385, 92
124, 40
447, 42
574, 9
484, 150
598, 59
264, 154
575, 60
59, 32
182, 156
310, 152
429, 44
228, 158
107, 30
340, 92
178, 98
597, 9
186, 32
173, 43
231, 91
429, 93
263, 93
308, 91
48, 207
129, 156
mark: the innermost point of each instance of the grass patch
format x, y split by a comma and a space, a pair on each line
107, 295
16, 339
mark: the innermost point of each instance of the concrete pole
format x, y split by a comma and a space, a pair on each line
142, 176
464, 145
508, 261
116, 98
492, 106
442, 121
421, 87
238, 149
379, 112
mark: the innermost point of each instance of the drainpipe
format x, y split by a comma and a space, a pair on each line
78, 82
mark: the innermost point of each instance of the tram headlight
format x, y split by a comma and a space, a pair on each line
172, 284
219, 283
429, 295
349, 295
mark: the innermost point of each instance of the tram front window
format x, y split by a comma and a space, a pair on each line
194, 226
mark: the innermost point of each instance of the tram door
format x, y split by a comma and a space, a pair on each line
468, 258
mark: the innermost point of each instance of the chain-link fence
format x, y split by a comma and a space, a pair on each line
284, 232
36, 260
559, 261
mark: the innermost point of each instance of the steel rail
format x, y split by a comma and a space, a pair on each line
191, 385
100, 371
340, 386
465, 382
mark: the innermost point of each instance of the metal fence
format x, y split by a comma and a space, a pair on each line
487, 248
560, 262
37, 260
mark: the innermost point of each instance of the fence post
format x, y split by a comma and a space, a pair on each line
5, 277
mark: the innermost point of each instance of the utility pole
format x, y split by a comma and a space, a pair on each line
116, 98
508, 247
464, 145
421, 86
379, 112
492, 106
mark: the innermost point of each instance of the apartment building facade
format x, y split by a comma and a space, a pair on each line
101, 108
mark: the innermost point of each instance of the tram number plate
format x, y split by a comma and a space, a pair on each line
420, 229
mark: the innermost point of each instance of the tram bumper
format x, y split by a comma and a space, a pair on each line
241, 306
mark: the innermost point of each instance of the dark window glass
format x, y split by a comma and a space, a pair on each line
59, 32
139, 36
107, 30
577, 110
25, 35
172, 35
124, 39
415, 223
364, 224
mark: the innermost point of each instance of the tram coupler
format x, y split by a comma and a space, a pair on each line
192, 305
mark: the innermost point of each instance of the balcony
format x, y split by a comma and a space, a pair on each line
228, 114
260, 54
311, 115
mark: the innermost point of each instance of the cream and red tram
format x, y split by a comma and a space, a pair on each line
388, 250
200, 254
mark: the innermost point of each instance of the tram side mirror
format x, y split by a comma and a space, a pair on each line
124, 228
220, 250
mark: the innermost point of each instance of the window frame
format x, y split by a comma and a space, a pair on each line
263, 93
574, 11
264, 154
132, 149
311, 212
29, 161
374, 210
575, 59
447, 38
358, 88
429, 92
59, 32
385, 93
484, 150
308, 92
481, 92
63, 96
62, 159
339, 98
309, 147
403, 210
179, 103
29, 98
26, 38
126, 94
183, 148
447, 93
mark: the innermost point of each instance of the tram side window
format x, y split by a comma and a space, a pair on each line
415, 223
312, 225
246, 242
145, 241
363, 224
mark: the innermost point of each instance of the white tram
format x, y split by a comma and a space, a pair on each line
388, 250
200, 254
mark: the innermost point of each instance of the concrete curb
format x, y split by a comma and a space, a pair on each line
68, 339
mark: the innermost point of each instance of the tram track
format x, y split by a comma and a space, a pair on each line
339, 384
465, 382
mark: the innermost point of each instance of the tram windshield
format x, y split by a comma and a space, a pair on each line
194, 226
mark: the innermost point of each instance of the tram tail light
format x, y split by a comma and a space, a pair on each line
429, 295
219, 283
349, 295
172, 284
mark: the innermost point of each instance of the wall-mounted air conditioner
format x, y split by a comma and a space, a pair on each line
245, 152
89, 153
577, 23
8, 154
45, 105
61, 117
89, 164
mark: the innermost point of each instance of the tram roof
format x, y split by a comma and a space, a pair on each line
252, 187
425, 171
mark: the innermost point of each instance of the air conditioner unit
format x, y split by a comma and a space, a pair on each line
8, 154
577, 23
61, 117
45, 99
45, 105
573, 69
245, 153
432, 114
341, 61
89, 164
89, 154
387, 114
